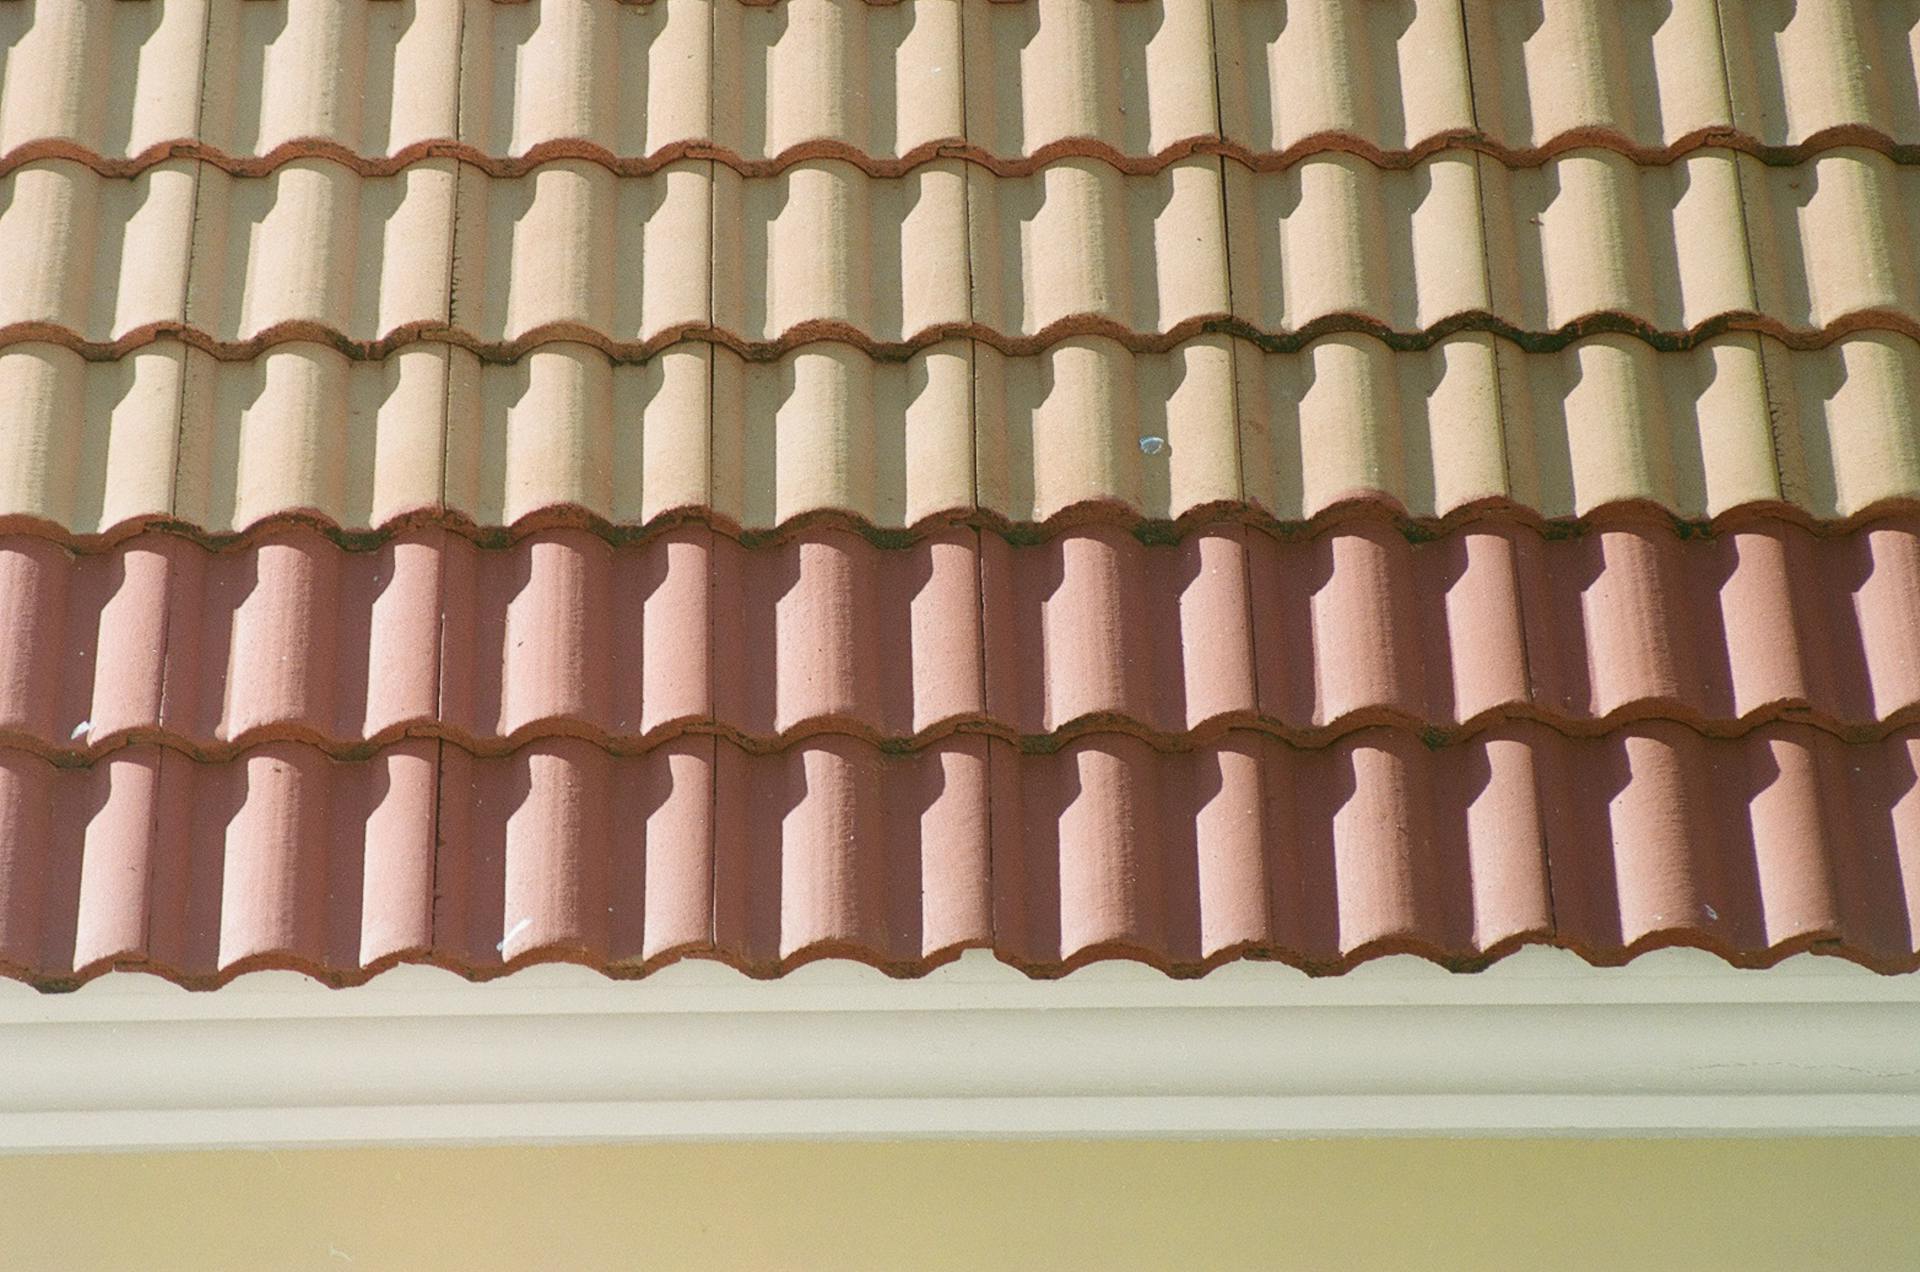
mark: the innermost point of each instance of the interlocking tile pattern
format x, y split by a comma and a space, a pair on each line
170, 434
1089, 631
483, 482
1784, 839
313, 250
250, 83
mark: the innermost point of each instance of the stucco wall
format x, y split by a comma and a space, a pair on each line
1734, 1204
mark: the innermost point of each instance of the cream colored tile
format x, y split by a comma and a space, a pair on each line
827, 428
1389, 74
1648, 71
629, 79
1335, 235
881, 80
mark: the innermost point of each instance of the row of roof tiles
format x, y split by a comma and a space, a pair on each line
1264, 80
629, 264
1757, 847
562, 634
94, 450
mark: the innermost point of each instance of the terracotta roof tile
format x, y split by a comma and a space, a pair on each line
1754, 847
1090, 630
483, 482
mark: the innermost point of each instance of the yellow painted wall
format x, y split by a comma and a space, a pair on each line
1364, 1206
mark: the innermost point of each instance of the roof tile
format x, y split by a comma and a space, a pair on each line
375, 83
574, 252
281, 857
1832, 240
1595, 233
565, 634
363, 79
99, 258
1089, 422
489, 482
1842, 437
109, 79
869, 82
586, 75
1336, 237
1136, 79
1590, 240
1387, 77
1646, 73
1806, 68
92, 448
825, 249
1080, 247
317, 252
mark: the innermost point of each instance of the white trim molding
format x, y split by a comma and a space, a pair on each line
1541, 1044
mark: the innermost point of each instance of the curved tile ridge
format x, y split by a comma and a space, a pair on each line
1756, 848
1590, 243
959, 150
1088, 430
1079, 326
1092, 632
1009, 85
405, 337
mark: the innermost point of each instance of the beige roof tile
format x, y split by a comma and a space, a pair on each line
1079, 246
1595, 233
809, 77
93, 447
1801, 68
1608, 420
316, 249
1090, 422
99, 257
1847, 420
585, 76
313, 250
86, 446
1390, 76
1646, 72
1134, 78
1139, 82
1348, 416
576, 252
1046, 318
1834, 238
1334, 235
824, 247
564, 426
109, 79
828, 427
371, 79
304, 429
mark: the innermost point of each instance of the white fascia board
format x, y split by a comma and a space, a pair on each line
1541, 1044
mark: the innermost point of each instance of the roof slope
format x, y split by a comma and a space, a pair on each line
484, 482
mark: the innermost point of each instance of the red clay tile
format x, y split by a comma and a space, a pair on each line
1755, 847
564, 634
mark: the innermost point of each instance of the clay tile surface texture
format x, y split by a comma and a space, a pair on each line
763, 480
